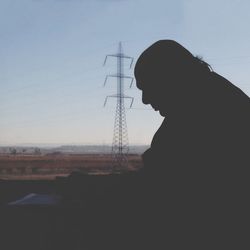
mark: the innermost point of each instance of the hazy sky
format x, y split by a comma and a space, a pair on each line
52, 51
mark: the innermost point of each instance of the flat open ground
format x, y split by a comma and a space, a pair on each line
47, 167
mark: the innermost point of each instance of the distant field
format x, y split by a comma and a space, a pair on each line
49, 166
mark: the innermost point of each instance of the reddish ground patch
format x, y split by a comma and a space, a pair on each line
32, 167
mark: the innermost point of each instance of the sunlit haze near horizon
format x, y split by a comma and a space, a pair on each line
52, 53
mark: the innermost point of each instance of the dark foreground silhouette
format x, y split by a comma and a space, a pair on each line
192, 192
197, 169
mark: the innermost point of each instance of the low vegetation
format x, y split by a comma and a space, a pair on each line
23, 167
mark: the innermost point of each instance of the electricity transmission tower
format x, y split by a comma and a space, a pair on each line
120, 145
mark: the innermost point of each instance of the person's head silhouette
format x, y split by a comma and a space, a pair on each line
167, 74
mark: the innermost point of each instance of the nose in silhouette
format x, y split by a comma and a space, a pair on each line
145, 98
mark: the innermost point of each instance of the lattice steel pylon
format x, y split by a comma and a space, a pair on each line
120, 145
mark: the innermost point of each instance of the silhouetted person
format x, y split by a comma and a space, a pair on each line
196, 171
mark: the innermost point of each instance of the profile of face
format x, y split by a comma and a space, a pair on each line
162, 73
158, 91
151, 95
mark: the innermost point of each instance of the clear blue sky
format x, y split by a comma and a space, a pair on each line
51, 55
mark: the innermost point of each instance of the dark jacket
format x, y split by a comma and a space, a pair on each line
197, 168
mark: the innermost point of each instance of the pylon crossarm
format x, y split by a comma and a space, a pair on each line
106, 99
132, 79
120, 76
120, 56
105, 81
131, 84
129, 57
129, 77
107, 78
132, 60
107, 58
129, 97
